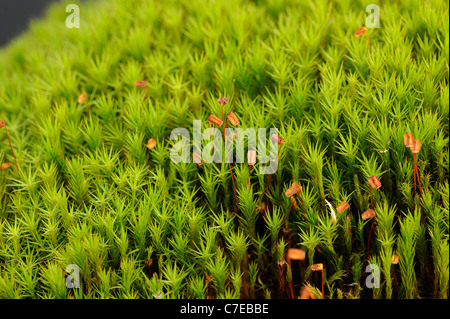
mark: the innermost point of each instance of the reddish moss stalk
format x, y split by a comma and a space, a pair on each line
285, 216
368, 241
371, 199
222, 102
317, 267
83, 98
303, 207
251, 160
323, 291
415, 191
368, 45
270, 176
350, 225
416, 173
375, 184
291, 288
3, 124
229, 164
249, 171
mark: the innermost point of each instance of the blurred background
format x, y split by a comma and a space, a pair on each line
15, 16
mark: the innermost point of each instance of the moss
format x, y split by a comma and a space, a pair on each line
91, 193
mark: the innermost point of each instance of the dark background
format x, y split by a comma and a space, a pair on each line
16, 14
